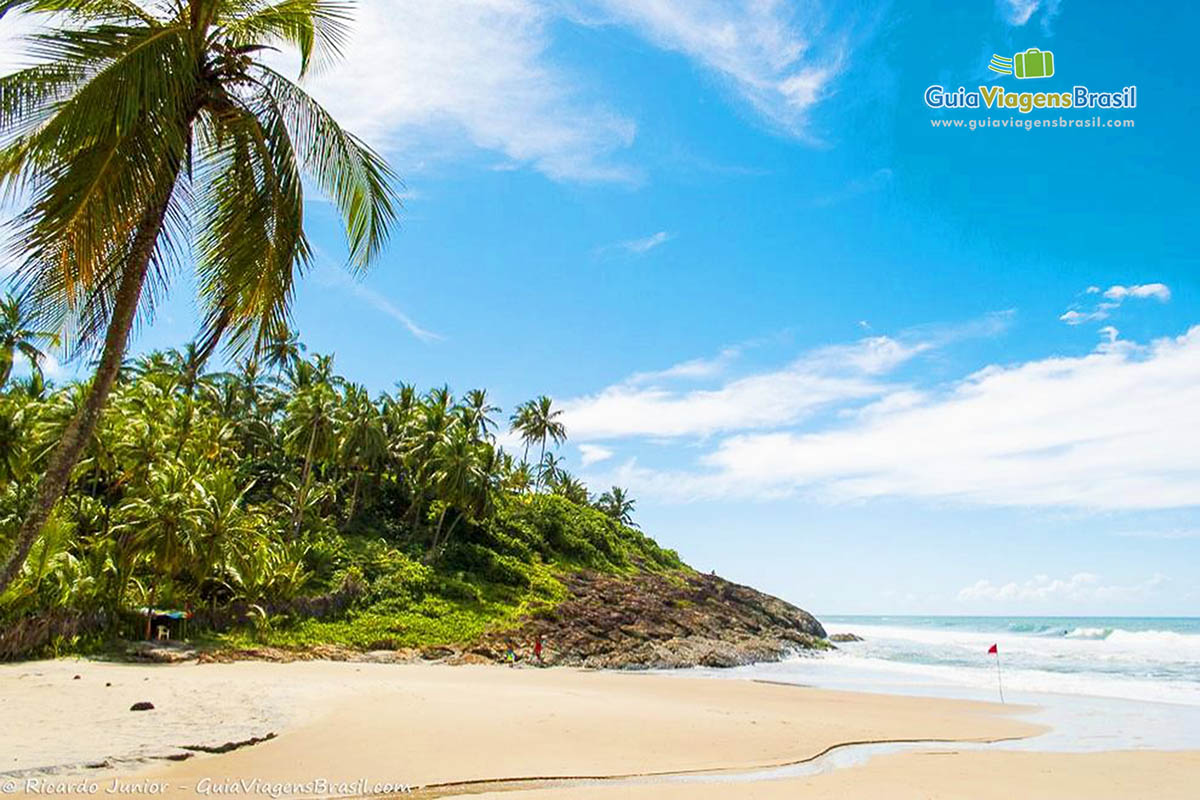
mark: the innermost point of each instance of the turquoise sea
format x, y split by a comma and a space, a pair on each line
1099, 682
1145, 649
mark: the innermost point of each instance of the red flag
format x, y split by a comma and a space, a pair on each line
993, 651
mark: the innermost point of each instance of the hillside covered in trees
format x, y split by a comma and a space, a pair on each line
282, 503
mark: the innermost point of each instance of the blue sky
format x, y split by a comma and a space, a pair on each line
835, 352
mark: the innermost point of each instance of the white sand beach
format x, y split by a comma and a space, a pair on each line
368, 725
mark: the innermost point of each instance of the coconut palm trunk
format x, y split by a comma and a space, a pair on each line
66, 453
98, 135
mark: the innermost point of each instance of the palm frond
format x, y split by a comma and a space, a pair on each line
349, 172
250, 208
313, 27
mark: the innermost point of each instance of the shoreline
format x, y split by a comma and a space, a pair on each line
482, 730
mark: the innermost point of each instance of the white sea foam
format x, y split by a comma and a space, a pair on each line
1100, 685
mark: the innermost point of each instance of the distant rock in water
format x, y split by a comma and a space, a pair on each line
651, 621
845, 637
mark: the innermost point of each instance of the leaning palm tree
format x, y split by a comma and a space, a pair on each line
18, 334
141, 125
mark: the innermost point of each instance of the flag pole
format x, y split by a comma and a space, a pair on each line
999, 682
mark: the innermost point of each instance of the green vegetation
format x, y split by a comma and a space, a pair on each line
147, 137
286, 506
277, 501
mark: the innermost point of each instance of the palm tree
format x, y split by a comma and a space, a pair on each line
18, 335
550, 470
310, 436
143, 124
462, 478
521, 422
476, 409
283, 350
617, 504
568, 486
361, 441
538, 421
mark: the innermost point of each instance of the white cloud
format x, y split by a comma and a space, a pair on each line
420, 75
1079, 317
693, 369
645, 245
1158, 291
593, 454
1170, 534
1019, 12
779, 61
426, 80
1082, 586
644, 407
1112, 430
1116, 295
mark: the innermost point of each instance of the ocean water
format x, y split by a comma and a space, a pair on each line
1100, 683
1136, 658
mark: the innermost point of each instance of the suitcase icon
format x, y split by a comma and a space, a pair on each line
1033, 63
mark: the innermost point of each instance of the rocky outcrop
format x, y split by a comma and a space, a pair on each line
650, 621
845, 637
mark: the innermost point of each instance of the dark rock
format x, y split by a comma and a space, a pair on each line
845, 637
650, 621
436, 653
142, 705
229, 746
77, 677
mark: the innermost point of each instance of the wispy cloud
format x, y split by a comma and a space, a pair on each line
329, 276
775, 54
1019, 12
1110, 430
857, 187
1114, 296
427, 80
692, 369
648, 405
1082, 586
1170, 534
1158, 291
646, 244
423, 77
593, 454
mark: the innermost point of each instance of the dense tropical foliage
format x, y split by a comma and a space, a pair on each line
289, 504
145, 137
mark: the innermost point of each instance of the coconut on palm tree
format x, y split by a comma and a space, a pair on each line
147, 133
